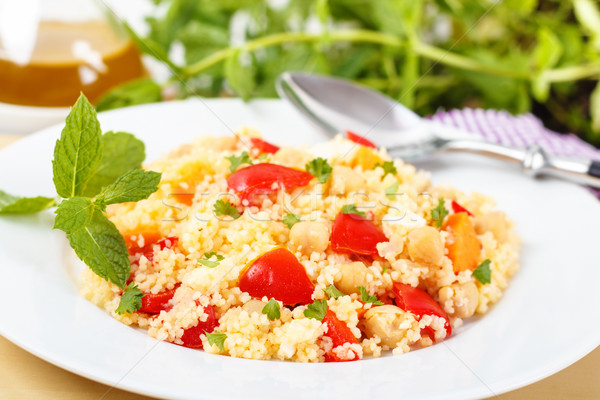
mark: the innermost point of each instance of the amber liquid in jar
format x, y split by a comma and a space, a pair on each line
69, 58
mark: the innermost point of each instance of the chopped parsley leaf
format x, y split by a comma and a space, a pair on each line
272, 310
392, 190
224, 207
439, 213
211, 263
351, 209
367, 298
131, 300
236, 161
483, 273
316, 310
291, 220
320, 169
388, 168
217, 338
333, 292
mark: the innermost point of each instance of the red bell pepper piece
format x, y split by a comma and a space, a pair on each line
339, 333
155, 303
419, 302
355, 234
266, 178
263, 146
458, 208
359, 140
191, 336
277, 274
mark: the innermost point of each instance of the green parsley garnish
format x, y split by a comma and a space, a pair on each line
272, 310
225, 208
131, 299
439, 213
351, 209
263, 156
236, 161
291, 220
392, 190
367, 298
388, 168
320, 169
333, 292
316, 310
483, 273
217, 338
211, 263
384, 270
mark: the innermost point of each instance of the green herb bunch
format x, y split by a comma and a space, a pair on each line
519, 55
92, 170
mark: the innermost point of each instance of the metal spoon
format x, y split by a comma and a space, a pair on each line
338, 105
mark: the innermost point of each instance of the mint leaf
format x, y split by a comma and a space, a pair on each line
217, 338
320, 169
367, 298
333, 292
10, 204
236, 161
483, 273
291, 220
388, 168
439, 213
316, 310
139, 91
100, 245
78, 152
351, 209
392, 190
272, 310
224, 207
73, 214
135, 185
121, 152
131, 300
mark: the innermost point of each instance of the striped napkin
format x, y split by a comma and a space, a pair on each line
519, 131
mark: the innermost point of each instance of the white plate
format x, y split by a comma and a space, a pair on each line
547, 319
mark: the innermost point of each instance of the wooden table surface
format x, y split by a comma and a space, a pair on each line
24, 376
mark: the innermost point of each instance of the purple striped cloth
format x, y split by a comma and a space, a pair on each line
519, 131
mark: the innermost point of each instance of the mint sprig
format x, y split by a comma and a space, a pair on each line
10, 204
134, 185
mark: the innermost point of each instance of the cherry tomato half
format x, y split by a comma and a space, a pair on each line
191, 336
155, 303
279, 275
458, 208
339, 333
266, 178
354, 234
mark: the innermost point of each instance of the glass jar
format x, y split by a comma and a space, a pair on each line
51, 50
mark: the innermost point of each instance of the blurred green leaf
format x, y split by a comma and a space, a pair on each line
240, 73
132, 93
595, 109
588, 15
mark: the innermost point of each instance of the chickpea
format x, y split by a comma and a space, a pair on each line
309, 236
462, 297
494, 222
388, 322
253, 306
425, 245
344, 181
292, 157
351, 276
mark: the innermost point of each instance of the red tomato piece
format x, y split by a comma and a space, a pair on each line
277, 274
263, 146
191, 336
155, 303
354, 234
266, 178
339, 333
419, 302
458, 208
359, 140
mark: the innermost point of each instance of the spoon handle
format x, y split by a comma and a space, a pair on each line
534, 160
